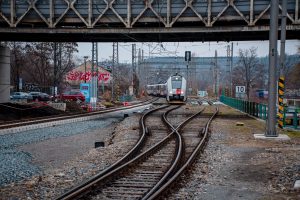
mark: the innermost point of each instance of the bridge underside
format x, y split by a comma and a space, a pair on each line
141, 21
143, 34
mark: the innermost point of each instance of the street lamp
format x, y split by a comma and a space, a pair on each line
85, 58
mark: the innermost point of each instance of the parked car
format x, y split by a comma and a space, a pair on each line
40, 96
72, 95
21, 95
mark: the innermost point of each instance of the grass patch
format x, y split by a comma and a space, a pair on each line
108, 104
292, 133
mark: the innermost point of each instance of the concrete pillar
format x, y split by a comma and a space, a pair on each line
4, 74
273, 36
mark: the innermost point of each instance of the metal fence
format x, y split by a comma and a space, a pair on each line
125, 98
291, 116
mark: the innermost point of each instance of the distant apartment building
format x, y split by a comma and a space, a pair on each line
200, 71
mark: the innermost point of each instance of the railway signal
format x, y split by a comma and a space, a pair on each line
188, 56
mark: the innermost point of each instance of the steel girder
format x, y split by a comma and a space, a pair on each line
166, 20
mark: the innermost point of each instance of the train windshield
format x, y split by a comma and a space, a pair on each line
176, 82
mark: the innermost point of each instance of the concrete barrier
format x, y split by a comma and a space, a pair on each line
58, 106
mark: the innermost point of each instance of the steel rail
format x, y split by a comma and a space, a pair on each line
49, 119
84, 190
179, 154
121, 161
172, 179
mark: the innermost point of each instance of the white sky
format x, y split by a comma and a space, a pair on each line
198, 49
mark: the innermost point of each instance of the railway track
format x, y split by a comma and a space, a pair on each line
95, 114
151, 164
194, 142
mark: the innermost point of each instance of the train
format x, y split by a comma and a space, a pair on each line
176, 88
173, 90
158, 90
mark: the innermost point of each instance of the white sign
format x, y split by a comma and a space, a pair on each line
20, 84
93, 100
240, 89
130, 90
202, 93
55, 90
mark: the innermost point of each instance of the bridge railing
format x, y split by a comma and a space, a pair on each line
291, 115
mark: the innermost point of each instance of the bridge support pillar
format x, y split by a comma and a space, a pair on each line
273, 36
4, 74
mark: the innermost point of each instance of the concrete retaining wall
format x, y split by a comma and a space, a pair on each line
4, 74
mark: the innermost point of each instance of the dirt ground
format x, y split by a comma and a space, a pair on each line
233, 166
237, 166
253, 169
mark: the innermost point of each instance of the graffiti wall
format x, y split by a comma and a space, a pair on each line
84, 72
80, 76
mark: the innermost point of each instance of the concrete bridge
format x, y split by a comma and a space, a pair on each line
141, 20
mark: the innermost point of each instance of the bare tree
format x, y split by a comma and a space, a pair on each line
294, 82
41, 62
290, 62
66, 55
17, 62
294, 74
122, 79
249, 72
33, 62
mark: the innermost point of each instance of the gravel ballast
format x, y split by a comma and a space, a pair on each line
233, 166
118, 139
16, 165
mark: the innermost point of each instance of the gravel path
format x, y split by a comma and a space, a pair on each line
16, 163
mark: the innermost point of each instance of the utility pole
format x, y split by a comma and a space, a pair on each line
216, 74
143, 72
55, 69
94, 85
139, 66
273, 36
228, 72
139, 62
18, 82
133, 67
115, 64
231, 66
282, 64
283, 37
213, 76
57, 65
187, 58
85, 58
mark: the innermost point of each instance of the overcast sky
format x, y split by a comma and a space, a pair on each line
198, 49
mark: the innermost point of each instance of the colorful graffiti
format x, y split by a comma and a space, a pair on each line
79, 76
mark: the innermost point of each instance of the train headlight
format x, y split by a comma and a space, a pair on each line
171, 92
181, 92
